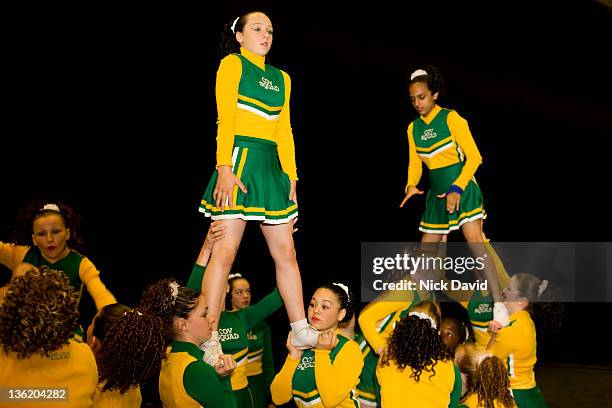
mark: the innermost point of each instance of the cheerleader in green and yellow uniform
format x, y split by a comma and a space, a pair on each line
376, 323
479, 304
516, 343
442, 140
255, 177
49, 227
327, 375
260, 365
416, 370
185, 379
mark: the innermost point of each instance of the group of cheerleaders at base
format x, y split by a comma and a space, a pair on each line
396, 357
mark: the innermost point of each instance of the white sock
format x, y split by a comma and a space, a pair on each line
214, 335
299, 325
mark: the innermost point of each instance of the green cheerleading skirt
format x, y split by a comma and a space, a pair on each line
255, 162
531, 398
436, 220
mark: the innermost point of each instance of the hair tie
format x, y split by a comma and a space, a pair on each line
418, 72
50, 207
174, 286
132, 311
542, 287
230, 277
234, 25
483, 357
344, 288
424, 316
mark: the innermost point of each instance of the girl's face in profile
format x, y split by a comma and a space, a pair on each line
421, 98
256, 35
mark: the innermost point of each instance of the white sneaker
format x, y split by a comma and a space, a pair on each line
212, 351
307, 337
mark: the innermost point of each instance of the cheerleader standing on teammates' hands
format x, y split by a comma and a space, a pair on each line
327, 375
49, 227
256, 173
516, 343
441, 139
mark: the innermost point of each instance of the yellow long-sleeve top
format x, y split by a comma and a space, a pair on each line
321, 378
479, 304
471, 401
378, 319
80, 269
443, 143
398, 388
72, 367
113, 399
516, 345
250, 103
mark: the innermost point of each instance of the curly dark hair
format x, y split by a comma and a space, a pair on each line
492, 383
227, 43
22, 233
415, 344
346, 300
132, 351
157, 300
39, 313
433, 80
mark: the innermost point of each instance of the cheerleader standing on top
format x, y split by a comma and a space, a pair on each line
255, 176
441, 139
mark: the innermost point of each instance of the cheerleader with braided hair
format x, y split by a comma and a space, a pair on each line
129, 349
488, 386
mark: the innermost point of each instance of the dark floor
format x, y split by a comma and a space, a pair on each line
565, 385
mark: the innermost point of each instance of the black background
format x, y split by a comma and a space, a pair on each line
113, 112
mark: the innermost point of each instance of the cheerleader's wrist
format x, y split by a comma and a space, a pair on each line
455, 189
